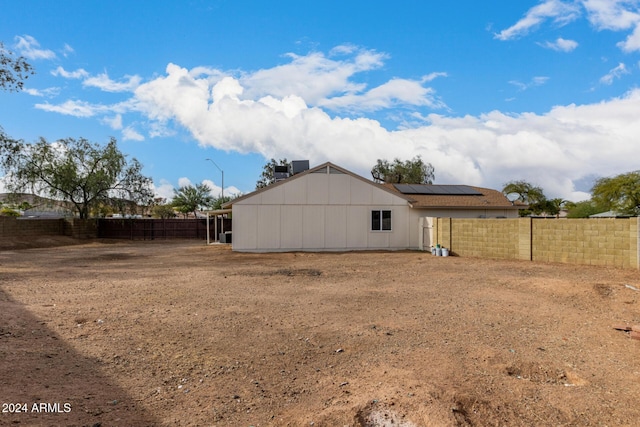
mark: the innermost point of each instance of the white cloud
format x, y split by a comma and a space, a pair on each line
314, 77
613, 15
554, 150
87, 109
433, 76
114, 122
29, 47
632, 43
616, 15
103, 82
184, 182
390, 94
560, 12
164, 190
561, 45
130, 134
67, 50
614, 73
536, 81
77, 74
45, 93
71, 108
216, 190
160, 130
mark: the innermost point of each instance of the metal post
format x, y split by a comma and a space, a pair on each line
208, 228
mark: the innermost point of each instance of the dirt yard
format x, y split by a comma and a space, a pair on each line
181, 334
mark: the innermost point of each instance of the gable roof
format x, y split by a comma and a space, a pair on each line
455, 197
314, 170
471, 197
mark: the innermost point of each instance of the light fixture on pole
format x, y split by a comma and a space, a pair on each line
222, 172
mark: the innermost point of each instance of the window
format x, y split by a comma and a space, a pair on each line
380, 220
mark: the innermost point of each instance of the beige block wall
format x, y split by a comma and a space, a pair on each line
494, 238
601, 241
595, 241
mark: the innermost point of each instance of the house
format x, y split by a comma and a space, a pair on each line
610, 214
328, 208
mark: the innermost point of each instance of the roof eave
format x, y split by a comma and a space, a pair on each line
465, 207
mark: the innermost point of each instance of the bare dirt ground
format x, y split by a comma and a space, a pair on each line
181, 334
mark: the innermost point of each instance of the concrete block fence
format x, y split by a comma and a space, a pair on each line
594, 241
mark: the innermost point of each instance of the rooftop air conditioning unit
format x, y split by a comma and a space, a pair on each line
280, 173
298, 166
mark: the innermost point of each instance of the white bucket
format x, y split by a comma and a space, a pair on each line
438, 251
445, 252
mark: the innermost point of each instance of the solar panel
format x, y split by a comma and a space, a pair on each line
437, 190
404, 188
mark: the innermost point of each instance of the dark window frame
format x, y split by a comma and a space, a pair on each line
381, 220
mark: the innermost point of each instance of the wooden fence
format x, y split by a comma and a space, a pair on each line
155, 229
37, 227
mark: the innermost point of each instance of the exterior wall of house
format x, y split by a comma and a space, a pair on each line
321, 211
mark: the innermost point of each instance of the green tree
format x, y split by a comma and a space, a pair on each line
268, 172
75, 170
413, 171
190, 198
531, 195
584, 209
620, 193
527, 192
9, 212
13, 70
164, 211
218, 202
554, 206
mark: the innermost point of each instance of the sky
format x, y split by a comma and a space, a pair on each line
487, 92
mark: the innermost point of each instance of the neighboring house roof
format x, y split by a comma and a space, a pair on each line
455, 196
609, 214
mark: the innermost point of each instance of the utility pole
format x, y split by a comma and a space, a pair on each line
222, 172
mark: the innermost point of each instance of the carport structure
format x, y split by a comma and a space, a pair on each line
215, 214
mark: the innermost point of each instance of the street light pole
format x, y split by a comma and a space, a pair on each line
222, 172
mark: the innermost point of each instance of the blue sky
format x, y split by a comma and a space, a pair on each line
487, 92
